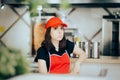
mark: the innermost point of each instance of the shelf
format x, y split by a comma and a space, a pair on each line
101, 60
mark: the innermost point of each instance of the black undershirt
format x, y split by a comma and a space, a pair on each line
42, 53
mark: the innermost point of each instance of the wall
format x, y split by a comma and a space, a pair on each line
87, 20
17, 28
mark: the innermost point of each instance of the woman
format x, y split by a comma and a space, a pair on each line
54, 54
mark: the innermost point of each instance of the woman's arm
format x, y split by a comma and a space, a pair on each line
82, 56
78, 51
42, 66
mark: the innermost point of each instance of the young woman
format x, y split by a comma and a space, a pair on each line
54, 54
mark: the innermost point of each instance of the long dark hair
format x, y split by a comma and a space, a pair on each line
48, 44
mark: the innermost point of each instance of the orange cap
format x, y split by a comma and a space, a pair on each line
54, 22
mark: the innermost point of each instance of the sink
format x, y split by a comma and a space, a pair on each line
94, 72
91, 69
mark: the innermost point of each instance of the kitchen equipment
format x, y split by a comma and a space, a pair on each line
95, 53
111, 36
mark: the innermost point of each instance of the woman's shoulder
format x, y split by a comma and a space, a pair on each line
41, 54
69, 42
41, 49
69, 46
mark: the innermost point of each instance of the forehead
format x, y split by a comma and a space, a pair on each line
60, 26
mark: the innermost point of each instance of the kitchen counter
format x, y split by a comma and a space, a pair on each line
109, 70
38, 76
102, 59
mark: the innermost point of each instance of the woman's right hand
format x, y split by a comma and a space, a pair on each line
76, 68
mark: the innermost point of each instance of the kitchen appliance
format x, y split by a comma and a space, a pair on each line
111, 36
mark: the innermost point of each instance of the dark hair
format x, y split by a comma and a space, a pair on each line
48, 44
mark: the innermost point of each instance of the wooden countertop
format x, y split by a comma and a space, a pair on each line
102, 59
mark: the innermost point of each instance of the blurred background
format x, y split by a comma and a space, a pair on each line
92, 24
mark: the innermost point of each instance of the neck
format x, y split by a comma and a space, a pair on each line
56, 44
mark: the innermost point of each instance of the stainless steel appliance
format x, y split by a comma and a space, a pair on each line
111, 36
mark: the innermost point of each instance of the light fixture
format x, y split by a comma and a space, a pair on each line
116, 14
2, 6
39, 9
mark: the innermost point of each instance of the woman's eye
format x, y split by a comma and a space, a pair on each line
62, 28
55, 28
58, 28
